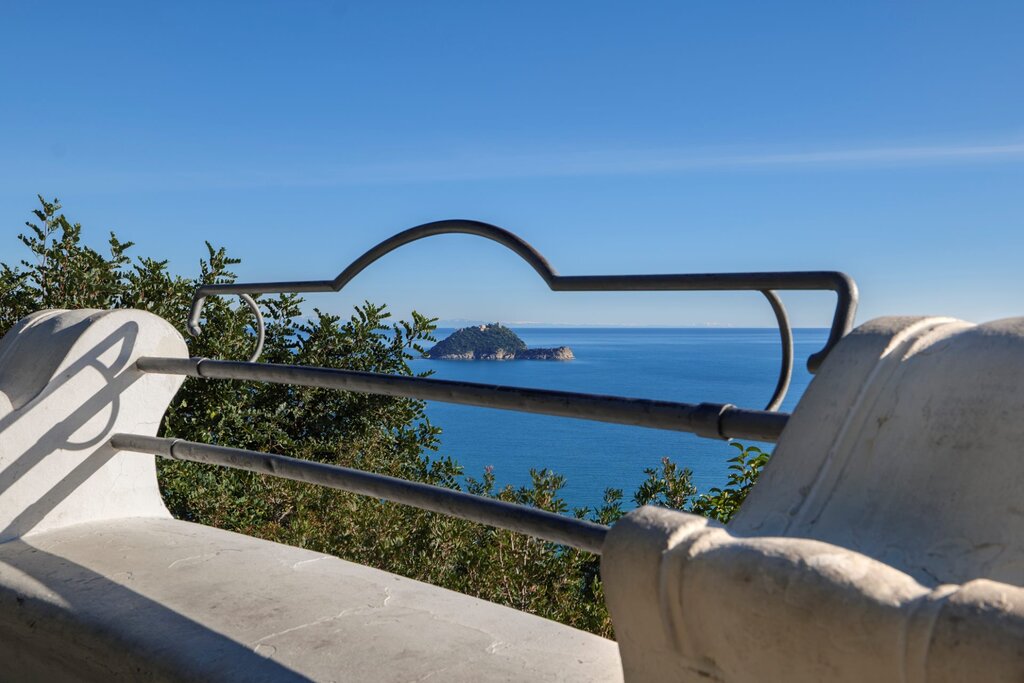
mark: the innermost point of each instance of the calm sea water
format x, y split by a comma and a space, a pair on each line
737, 366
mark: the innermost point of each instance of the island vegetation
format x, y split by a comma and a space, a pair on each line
491, 342
383, 434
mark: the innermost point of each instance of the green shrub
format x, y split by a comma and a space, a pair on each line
377, 433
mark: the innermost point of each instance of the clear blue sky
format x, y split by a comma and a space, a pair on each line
885, 139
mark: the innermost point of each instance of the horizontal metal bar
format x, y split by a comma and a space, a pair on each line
700, 282
710, 420
683, 282
552, 527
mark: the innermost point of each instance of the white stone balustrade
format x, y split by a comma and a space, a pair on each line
99, 583
883, 542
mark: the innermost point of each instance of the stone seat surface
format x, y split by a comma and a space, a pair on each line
162, 599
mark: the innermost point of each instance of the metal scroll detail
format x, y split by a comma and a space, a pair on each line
764, 282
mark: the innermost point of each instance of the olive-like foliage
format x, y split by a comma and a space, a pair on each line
382, 434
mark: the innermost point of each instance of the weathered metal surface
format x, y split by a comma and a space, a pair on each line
553, 527
710, 420
840, 283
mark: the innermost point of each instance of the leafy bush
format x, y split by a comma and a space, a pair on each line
382, 434
722, 504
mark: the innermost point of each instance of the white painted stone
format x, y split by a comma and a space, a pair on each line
161, 599
883, 542
69, 382
98, 583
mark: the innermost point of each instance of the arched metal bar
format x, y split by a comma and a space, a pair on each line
786, 338
840, 283
261, 329
259, 326
456, 226
842, 320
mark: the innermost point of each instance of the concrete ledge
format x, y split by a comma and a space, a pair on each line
161, 599
98, 583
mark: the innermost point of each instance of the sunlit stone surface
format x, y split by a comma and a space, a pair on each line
883, 542
97, 582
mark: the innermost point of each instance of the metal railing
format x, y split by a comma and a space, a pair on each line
553, 527
765, 283
710, 420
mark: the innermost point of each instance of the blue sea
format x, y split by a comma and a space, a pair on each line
721, 365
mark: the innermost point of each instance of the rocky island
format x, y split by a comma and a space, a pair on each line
491, 342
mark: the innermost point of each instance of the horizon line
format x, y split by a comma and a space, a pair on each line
459, 323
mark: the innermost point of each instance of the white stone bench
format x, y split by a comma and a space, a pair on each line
98, 582
884, 542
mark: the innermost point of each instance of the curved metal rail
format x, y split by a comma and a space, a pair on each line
840, 283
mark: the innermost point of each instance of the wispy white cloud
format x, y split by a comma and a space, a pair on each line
871, 155
471, 165
611, 162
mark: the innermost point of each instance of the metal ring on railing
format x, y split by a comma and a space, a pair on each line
261, 330
786, 337
764, 282
260, 327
